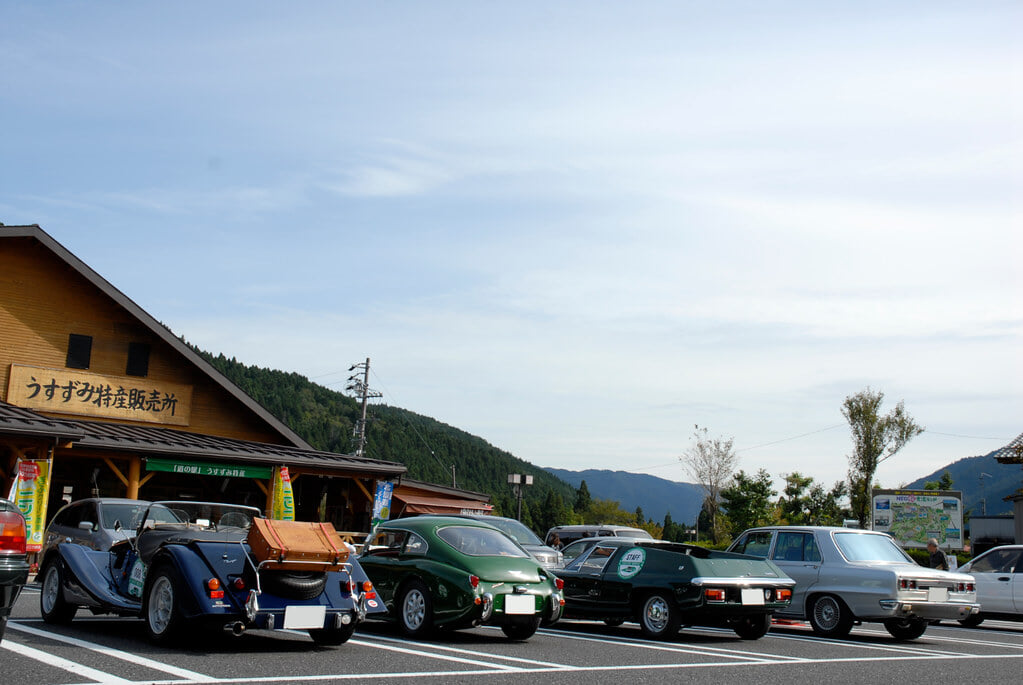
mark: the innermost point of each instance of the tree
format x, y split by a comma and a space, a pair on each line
805, 503
711, 462
943, 483
747, 501
876, 438
582, 498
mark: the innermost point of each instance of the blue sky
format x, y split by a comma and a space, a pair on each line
574, 229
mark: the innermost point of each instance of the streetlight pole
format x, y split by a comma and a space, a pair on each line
983, 495
518, 481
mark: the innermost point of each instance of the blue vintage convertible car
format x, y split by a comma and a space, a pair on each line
189, 565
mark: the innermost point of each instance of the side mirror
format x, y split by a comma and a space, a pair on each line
87, 525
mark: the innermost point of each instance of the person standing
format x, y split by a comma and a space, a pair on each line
937, 559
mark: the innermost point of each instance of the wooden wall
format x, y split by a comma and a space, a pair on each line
43, 300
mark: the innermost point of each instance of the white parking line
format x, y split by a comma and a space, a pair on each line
677, 647
456, 650
61, 663
115, 653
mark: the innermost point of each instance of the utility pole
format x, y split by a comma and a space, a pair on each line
359, 388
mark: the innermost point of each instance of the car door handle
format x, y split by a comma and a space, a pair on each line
1004, 579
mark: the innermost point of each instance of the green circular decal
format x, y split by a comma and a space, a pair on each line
631, 563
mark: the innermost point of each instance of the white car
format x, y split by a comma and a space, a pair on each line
844, 576
999, 576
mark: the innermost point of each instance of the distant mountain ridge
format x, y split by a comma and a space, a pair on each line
656, 496
999, 481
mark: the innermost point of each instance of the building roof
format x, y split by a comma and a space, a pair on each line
1011, 453
158, 329
154, 441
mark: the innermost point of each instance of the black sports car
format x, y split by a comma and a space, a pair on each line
663, 585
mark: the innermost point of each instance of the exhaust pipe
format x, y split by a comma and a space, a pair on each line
238, 628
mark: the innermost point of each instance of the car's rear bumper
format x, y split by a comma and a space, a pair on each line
13, 576
893, 608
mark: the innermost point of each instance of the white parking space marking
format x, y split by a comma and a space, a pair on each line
677, 647
115, 653
456, 650
61, 663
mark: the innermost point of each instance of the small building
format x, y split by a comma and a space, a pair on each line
124, 408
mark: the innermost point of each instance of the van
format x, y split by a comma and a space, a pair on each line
559, 536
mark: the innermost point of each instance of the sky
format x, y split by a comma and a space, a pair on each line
577, 230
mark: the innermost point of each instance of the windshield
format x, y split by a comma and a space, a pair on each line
517, 531
127, 513
212, 515
480, 542
869, 547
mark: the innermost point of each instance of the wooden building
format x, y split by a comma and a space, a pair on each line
124, 408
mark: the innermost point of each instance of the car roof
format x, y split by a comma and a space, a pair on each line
591, 526
430, 521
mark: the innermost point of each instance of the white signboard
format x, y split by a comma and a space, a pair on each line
913, 517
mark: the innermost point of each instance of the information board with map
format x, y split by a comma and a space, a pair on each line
913, 517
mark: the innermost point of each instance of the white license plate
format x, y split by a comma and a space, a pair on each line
304, 616
937, 594
753, 596
519, 604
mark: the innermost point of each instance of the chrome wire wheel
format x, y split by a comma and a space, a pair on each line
161, 605
826, 613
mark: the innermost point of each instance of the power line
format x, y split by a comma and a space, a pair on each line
794, 437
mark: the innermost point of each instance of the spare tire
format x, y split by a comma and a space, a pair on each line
293, 584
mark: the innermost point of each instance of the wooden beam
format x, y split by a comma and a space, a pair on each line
117, 472
364, 490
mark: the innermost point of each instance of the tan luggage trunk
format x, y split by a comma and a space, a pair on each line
296, 545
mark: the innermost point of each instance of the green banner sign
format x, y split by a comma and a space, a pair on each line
199, 468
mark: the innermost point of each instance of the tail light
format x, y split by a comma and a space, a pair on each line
12, 533
215, 591
965, 587
559, 584
474, 582
367, 590
783, 594
714, 595
907, 584
239, 583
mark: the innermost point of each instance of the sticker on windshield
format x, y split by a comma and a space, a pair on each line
631, 563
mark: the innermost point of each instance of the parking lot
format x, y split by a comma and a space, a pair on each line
114, 650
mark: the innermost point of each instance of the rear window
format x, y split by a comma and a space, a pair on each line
480, 542
869, 547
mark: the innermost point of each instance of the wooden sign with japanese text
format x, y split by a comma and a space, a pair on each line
69, 391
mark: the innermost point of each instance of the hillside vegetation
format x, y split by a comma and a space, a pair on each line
325, 418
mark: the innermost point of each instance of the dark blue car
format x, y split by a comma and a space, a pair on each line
188, 565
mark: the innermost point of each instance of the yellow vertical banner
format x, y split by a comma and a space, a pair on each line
30, 494
284, 500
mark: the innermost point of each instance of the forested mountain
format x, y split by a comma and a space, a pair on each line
999, 481
428, 448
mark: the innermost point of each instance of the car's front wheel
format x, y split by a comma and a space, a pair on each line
905, 628
415, 609
658, 616
52, 605
163, 617
830, 617
521, 629
752, 627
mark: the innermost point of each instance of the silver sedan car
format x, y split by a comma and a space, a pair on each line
846, 576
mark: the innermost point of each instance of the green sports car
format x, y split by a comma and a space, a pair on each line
663, 586
440, 571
